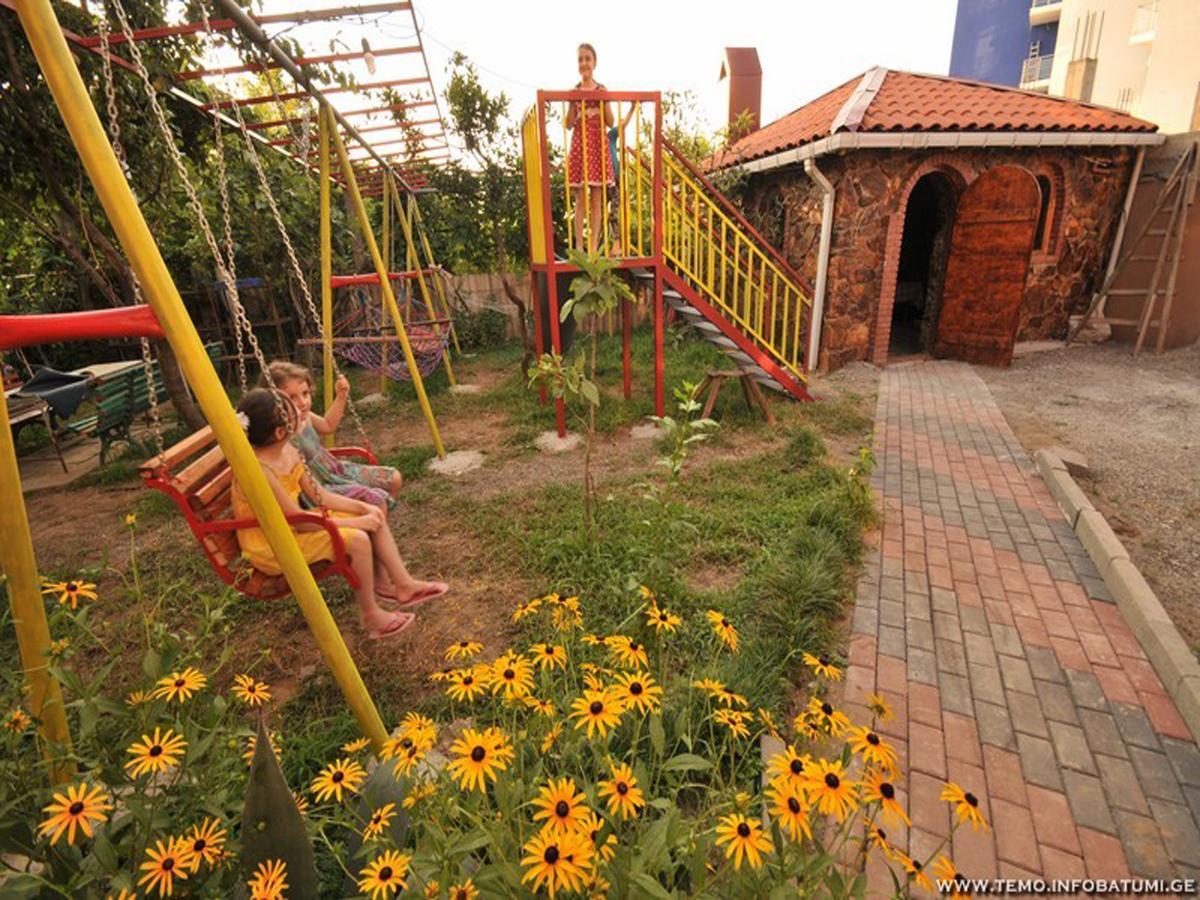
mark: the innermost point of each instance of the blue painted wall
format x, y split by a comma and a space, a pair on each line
991, 40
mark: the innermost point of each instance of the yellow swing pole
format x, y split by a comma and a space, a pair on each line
326, 272
387, 267
91, 143
364, 224
414, 263
19, 566
438, 282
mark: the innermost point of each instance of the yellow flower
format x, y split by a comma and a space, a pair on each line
948, 875
637, 690
830, 790
591, 680
724, 629
479, 757
823, 667
662, 620
744, 839
355, 745
406, 754
417, 793
789, 808
878, 788
567, 615
421, 729
768, 721
558, 861
873, 749
526, 609
624, 796
730, 698
789, 767
155, 754
181, 685
561, 805
18, 720
879, 707
463, 650
709, 685
165, 862
343, 775
592, 825
549, 656
512, 676
269, 881
877, 839
130, 520
380, 819
646, 593
138, 698
467, 684
821, 715
205, 843
59, 647
627, 652
78, 808
916, 871
70, 591
539, 706
301, 803
464, 890
384, 875
591, 640
966, 805
597, 711
551, 736
735, 720
252, 745
249, 691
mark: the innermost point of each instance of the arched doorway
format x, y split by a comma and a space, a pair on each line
990, 246
924, 246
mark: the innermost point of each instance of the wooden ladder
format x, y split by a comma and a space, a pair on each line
1176, 194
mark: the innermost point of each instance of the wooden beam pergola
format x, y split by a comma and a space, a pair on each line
300, 95
193, 74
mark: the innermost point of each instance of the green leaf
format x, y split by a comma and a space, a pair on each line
152, 663
657, 736
472, 840
686, 762
650, 886
590, 392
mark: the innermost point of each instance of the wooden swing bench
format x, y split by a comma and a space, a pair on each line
197, 478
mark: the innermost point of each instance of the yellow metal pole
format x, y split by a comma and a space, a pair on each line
364, 224
91, 143
326, 271
414, 262
19, 566
387, 267
441, 287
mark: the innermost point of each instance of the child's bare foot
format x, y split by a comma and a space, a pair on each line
387, 625
420, 592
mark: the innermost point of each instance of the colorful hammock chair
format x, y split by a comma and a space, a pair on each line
364, 336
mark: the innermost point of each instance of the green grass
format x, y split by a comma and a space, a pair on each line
410, 460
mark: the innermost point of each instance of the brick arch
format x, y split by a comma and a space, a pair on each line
960, 176
1053, 173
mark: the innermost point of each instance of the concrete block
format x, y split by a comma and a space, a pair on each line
371, 400
1167, 650
1048, 462
1101, 543
550, 442
458, 462
1070, 497
1074, 461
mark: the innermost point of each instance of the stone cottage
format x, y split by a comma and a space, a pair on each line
937, 215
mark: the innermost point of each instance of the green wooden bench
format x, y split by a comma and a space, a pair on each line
120, 399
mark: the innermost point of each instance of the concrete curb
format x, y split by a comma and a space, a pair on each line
1170, 655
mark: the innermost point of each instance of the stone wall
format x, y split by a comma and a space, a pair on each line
872, 191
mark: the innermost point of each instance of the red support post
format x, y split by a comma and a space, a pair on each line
560, 411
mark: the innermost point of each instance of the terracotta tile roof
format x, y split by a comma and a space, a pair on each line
905, 101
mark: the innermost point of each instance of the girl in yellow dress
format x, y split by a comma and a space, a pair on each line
269, 420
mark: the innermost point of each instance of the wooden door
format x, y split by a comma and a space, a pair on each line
985, 274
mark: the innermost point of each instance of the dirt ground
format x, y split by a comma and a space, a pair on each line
1137, 420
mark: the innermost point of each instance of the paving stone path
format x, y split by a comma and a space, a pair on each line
1011, 671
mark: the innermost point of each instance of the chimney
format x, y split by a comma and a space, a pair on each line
744, 75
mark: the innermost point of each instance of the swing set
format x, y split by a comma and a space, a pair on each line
198, 472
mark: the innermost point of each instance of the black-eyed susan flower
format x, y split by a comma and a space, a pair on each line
950, 879
407, 757
512, 676
558, 861
380, 819
120, 892
822, 666
81, 807
724, 629
464, 890
915, 870
540, 706
356, 745
768, 721
250, 691
138, 698
879, 707
789, 807
567, 616
559, 806
180, 686
343, 776
467, 684
592, 640
877, 839
730, 698
551, 736
17, 721
527, 608
743, 839
70, 591
638, 691
830, 790
130, 520
821, 715
269, 881
873, 749
478, 757
591, 680
155, 753
166, 862
598, 711
735, 720
878, 788
789, 767
627, 651
646, 593
422, 790
421, 729
661, 619
622, 792
709, 685
549, 656
603, 846
205, 843
58, 647
441, 675
966, 805
302, 804
463, 650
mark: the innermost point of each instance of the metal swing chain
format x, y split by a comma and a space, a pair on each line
230, 253
114, 133
181, 170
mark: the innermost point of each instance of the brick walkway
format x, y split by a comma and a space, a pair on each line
1010, 669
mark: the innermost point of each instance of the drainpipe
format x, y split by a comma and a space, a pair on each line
818, 307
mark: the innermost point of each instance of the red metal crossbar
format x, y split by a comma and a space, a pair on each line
339, 281
95, 324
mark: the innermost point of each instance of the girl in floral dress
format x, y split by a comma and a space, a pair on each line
589, 165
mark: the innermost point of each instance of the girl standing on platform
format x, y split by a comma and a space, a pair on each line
589, 165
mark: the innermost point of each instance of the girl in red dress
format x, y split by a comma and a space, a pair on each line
589, 167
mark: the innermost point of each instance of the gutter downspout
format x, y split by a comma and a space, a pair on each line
818, 306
